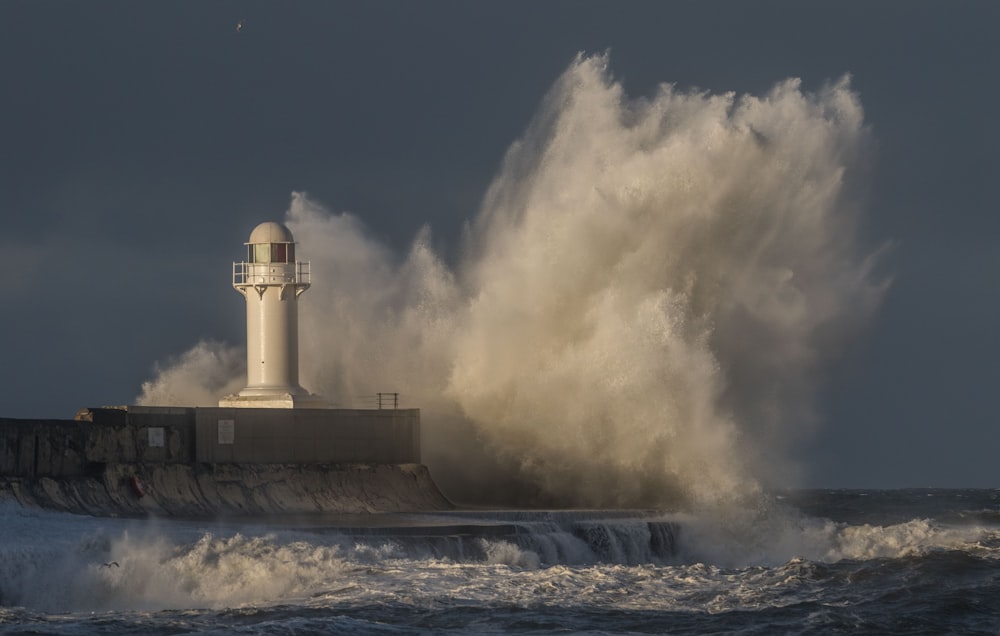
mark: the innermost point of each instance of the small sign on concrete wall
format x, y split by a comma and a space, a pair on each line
227, 431
155, 436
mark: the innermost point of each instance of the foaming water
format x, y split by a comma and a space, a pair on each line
645, 302
509, 571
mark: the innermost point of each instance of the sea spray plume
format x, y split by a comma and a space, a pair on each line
375, 322
654, 285
199, 377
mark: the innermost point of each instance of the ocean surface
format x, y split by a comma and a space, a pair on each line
805, 562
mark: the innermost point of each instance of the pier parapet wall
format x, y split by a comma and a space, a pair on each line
151, 435
209, 461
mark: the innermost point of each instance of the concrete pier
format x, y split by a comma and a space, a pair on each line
199, 461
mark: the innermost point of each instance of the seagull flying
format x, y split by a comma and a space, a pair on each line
239, 25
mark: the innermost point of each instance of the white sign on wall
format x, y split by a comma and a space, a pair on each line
155, 437
227, 431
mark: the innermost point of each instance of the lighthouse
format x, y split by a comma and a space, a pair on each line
272, 280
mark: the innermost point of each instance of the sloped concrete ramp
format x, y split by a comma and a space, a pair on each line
194, 490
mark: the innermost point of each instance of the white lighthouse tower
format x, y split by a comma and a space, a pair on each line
272, 280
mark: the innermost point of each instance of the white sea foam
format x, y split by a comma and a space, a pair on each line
645, 303
61, 565
506, 553
736, 537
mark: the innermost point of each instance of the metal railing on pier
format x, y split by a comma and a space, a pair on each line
381, 400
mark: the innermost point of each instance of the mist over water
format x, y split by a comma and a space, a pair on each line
644, 308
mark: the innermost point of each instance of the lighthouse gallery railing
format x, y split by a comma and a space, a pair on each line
247, 274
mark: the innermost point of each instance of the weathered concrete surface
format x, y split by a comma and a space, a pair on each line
137, 434
233, 489
66, 448
217, 461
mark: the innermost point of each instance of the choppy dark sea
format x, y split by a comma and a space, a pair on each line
807, 562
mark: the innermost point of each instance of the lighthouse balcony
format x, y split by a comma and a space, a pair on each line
254, 274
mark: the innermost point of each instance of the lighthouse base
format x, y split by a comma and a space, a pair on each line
274, 401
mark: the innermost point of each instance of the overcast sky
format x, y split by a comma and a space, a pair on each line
140, 142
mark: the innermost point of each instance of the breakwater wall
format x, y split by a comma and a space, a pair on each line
135, 434
195, 461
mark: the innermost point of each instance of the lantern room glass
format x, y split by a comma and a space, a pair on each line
271, 253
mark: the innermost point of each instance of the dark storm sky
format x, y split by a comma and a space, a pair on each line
141, 141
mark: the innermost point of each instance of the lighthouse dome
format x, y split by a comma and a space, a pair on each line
270, 232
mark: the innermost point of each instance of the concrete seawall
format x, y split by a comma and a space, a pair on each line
233, 489
219, 461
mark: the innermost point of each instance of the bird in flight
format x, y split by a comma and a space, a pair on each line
239, 25
108, 565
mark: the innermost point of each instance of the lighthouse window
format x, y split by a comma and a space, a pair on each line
261, 253
272, 253
279, 253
